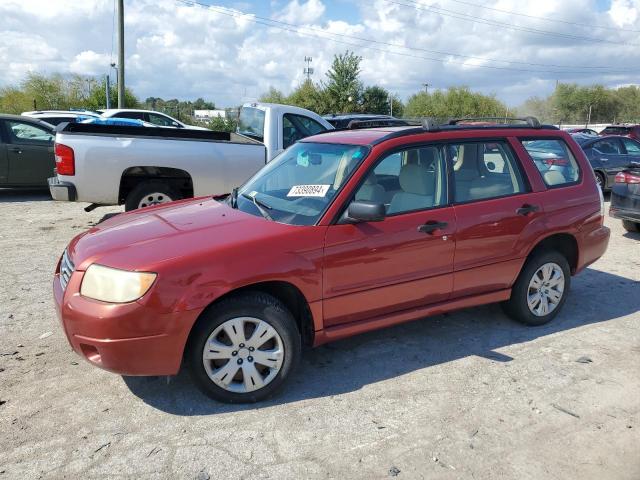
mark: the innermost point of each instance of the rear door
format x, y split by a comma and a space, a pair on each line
30, 153
631, 151
494, 208
4, 160
379, 268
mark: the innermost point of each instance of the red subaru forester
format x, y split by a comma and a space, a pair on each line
344, 232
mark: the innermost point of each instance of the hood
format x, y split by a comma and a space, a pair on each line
141, 239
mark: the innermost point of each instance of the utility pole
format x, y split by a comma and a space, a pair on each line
308, 71
120, 53
426, 87
108, 90
588, 118
391, 104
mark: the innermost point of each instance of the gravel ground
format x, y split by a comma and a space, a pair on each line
464, 395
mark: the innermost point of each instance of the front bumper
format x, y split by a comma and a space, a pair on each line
62, 191
128, 339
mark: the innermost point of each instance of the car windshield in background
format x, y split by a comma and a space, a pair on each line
251, 123
616, 131
297, 186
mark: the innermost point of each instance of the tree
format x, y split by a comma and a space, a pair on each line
343, 87
454, 102
310, 96
98, 97
272, 96
375, 99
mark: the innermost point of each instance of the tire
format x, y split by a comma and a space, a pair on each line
630, 226
517, 307
601, 180
231, 361
155, 191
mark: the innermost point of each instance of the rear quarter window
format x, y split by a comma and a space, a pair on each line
554, 161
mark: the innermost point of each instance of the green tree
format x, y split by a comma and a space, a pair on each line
343, 86
454, 102
308, 95
272, 96
98, 97
375, 99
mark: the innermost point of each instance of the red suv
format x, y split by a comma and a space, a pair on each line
627, 130
344, 232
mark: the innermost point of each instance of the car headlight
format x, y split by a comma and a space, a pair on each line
115, 286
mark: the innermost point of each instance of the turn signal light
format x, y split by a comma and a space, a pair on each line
65, 160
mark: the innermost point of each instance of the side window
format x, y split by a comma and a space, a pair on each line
133, 115
27, 133
160, 120
295, 127
633, 147
311, 126
610, 146
413, 179
554, 161
484, 170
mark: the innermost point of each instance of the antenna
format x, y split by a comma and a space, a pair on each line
308, 71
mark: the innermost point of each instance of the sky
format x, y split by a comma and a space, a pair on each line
231, 51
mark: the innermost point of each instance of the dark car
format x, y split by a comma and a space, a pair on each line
625, 198
26, 151
609, 155
627, 130
363, 120
584, 131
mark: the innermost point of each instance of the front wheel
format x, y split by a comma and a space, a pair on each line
630, 226
244, 349
540, 290
601, 180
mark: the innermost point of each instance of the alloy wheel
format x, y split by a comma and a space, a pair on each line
546, 289
155, 198
243, 354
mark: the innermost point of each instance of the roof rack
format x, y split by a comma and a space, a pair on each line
377, 122
530, 121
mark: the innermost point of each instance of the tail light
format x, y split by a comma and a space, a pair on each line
559, 162
626, 177
65, 160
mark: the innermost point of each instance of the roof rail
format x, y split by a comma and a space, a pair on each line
373, 123
530, 121
430, 125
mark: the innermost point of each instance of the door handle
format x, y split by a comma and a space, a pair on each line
526, 209
16, 149
432, 226
604, 159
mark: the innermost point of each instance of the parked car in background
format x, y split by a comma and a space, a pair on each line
627, 130
583, 131
123, 122
344, 233
363, 120
26, 151
609, 155
56, 117
148, 116
139, 166
625, 198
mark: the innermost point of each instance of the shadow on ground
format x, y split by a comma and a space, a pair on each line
347, 365
15, 195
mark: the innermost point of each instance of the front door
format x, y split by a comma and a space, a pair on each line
378, 268
610, 154
30, 153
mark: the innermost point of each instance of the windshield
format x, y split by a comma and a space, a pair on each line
251, 123
298, 185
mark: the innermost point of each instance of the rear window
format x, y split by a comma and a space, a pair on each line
616, 131
251, 123
554, 161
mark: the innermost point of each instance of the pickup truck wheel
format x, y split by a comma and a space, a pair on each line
630, 226
150, 193
243, 349
540, 290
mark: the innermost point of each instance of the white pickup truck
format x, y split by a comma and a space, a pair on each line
142, 166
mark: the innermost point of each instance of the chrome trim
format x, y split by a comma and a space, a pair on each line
66, 269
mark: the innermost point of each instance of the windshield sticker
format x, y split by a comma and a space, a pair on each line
303, 159
308, 191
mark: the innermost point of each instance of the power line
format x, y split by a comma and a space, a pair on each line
546, 19
299, 30
509, 26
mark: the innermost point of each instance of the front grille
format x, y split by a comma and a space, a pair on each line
66, 269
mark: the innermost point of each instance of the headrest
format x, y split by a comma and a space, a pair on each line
416, 179
554, 177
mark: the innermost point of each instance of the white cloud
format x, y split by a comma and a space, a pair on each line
177, 50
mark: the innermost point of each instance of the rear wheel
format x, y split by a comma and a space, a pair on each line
244, 348
152, 192
540, 290
630, 226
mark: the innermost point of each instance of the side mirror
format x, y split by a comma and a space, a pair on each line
362, 211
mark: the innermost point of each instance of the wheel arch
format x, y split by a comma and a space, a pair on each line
176, 177
564, 242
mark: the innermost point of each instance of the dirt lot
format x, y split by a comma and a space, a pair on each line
466, 395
